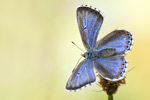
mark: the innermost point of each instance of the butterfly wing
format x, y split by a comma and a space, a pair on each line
111, 68
82, 75
89, 21
121, 40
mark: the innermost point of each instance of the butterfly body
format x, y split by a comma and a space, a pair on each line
94, 54
107, 55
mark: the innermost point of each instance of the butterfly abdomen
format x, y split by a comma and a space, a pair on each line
106, 52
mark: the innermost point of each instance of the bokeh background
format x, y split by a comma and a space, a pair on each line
37, 57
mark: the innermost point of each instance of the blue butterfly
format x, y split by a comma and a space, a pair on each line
107, 55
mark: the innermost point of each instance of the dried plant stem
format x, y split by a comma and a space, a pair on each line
110, 97
110, 87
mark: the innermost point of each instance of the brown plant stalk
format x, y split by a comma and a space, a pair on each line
110, 87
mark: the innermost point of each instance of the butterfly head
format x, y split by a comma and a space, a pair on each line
85, 55
90, 54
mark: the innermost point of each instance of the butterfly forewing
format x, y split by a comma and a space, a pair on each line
89, 21
82, 75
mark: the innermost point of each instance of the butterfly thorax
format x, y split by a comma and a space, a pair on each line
93, 54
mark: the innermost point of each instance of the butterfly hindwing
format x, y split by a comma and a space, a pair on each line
82, 75
121, 40
111, 68
89, 21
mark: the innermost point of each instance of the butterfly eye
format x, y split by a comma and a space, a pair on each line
88, 53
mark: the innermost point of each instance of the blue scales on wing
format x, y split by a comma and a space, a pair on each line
89, 22
121, 40
82, 75
114, 67
111, 68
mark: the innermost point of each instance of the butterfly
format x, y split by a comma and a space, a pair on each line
107, 55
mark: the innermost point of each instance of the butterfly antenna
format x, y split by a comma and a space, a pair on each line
77, 64
131, 69
77, 46
97, 90
78, 61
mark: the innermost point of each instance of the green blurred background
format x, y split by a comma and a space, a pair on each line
37, 57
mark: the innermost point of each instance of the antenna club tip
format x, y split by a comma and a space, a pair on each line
72, 42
